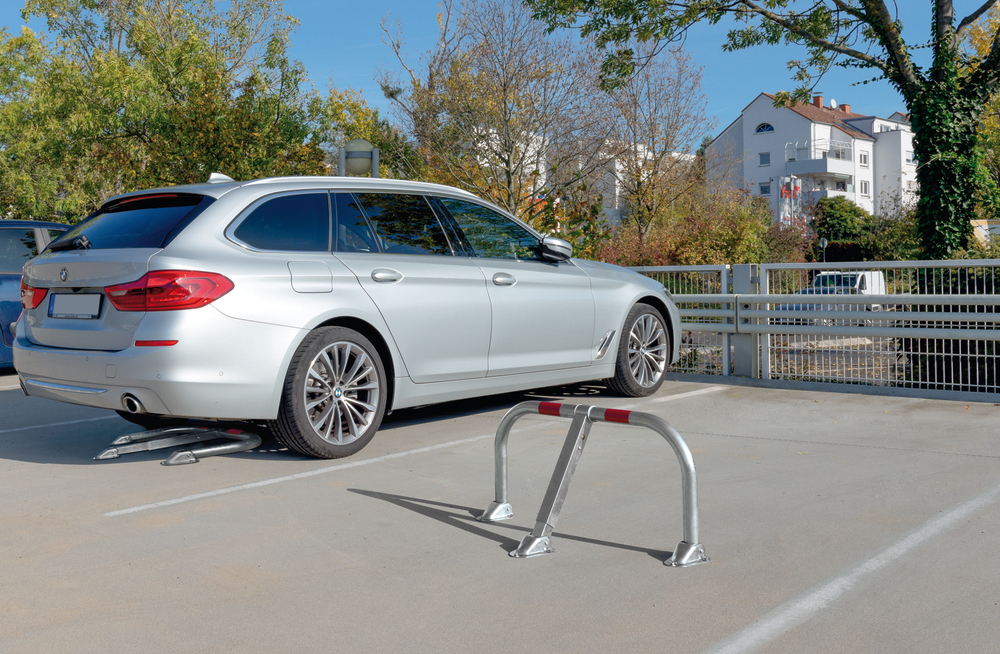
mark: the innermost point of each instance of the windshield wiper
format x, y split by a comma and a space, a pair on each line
79, 243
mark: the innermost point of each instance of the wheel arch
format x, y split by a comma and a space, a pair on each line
669, 312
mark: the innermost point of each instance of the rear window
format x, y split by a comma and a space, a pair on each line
405, 224
294, 223
16, 247
140, 222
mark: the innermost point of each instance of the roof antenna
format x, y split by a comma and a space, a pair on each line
219, 178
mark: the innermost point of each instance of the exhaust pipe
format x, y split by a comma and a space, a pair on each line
132, 404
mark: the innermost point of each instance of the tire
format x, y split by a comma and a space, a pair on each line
334, 396
643, 353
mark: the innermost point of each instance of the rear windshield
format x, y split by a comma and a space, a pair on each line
148, 221
16, 247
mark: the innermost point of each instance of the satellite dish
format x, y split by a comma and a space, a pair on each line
833, 103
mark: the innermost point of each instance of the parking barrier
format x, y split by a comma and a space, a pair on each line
157, 439
688, 552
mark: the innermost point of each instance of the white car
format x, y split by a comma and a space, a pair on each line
314, 305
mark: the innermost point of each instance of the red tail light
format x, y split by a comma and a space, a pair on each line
168, 290
31, 297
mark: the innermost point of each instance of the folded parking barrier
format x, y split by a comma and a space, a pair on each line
157, 439
688, 552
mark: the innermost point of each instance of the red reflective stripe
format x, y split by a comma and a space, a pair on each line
616, 415
234, 431
549, 408
154, 343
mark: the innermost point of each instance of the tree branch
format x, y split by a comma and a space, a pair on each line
971, 18
883, 24
812, 38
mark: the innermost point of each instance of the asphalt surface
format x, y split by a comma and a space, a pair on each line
834, 523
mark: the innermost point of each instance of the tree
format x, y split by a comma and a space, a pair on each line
656, 118
501, 109
839, 219
945, 100
143, 93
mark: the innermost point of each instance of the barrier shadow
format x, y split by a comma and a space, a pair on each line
464, 518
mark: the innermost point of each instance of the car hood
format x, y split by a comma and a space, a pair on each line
600, 270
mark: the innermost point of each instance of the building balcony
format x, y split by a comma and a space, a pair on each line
812, 197
821, 166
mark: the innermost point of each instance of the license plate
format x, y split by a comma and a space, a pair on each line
78, 305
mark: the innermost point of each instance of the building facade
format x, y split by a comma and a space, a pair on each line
796, 155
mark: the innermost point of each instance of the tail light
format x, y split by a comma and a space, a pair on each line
31, 297
168, 290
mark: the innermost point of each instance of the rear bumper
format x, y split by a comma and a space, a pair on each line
219, 368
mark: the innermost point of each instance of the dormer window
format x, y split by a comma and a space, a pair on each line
763, 128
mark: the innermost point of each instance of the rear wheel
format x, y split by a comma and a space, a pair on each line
334, 396
643, 353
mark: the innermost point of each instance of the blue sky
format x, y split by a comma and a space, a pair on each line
342, 41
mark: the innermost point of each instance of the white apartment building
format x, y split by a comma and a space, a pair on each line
795, 155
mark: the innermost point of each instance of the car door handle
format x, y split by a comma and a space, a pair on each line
386, 275
503, 279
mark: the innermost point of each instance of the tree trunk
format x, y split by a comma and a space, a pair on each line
944, 111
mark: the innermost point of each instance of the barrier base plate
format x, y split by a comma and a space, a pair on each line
532, 546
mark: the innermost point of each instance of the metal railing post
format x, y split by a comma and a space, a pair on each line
745, 355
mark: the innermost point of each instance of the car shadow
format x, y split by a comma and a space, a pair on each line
576, 393
77, 442
464, 518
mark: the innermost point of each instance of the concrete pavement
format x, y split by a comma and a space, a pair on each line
834, 523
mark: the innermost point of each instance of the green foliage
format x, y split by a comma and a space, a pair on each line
945, 100
574, 216
838, 219
123, 96
718, 227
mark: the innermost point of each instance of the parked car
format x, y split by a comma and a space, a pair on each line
316, 305
860, 282
20, 240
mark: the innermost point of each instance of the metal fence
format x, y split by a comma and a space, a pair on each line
929, 325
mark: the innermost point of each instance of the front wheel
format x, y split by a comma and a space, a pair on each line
334, 396
643, 353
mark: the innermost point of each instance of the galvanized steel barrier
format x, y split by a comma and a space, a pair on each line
933, 329
688, 552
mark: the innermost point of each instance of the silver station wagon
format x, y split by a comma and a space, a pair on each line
315, 305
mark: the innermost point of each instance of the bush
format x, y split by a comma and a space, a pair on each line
719, 227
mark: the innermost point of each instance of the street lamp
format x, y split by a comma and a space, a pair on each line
357, 158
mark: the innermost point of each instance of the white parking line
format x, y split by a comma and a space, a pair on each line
796, 611
668, 398
299, 475
56, 424
10, 388
364, 462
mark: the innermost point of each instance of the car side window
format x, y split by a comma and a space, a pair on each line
299, 222
16, 247
404, 224
351, 232
492, 235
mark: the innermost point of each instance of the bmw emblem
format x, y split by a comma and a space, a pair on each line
337, 393
64, 274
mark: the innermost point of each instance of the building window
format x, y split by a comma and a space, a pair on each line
841, 186
765, 158
864, 189
863, 159
765, 188
764, 128
910, 159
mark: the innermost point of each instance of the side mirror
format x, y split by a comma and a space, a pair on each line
862, 284
556, 249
